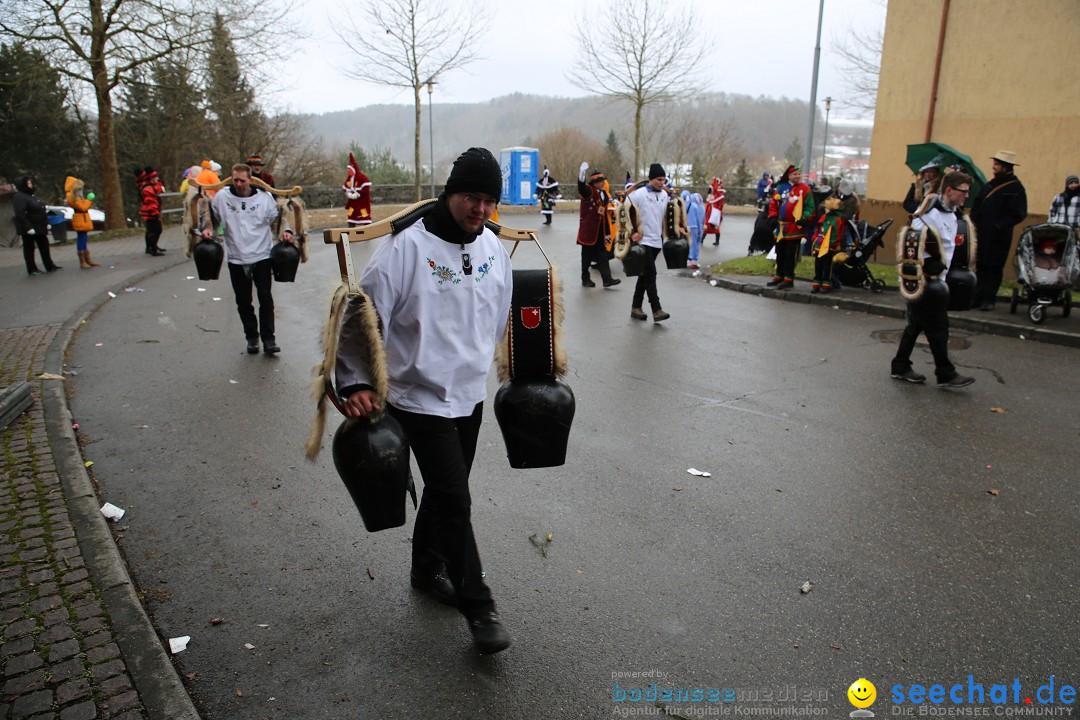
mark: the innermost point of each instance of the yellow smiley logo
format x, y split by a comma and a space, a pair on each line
862, 693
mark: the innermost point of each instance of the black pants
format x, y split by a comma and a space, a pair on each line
927, 315
153, 232
823, 269
787, 256
243, 277
444, 449
595, 254
646, 281
42, 242
990, 272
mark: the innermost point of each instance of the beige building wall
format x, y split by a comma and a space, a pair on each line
1009, 80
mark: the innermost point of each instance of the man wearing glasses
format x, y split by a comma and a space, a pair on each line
929, 313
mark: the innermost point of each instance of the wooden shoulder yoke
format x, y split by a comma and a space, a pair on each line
294, 190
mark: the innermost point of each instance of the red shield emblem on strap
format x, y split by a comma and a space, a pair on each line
530, 317
959, 240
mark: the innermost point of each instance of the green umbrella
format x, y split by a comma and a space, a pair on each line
944, 157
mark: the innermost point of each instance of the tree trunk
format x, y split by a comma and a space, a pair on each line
113, 199
637, 140
416, 144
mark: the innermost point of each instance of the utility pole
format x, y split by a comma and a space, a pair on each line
825, 137
813, 91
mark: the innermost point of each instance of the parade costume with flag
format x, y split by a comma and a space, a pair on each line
792, 210
828, 238
357, 189
547, 189
593, 226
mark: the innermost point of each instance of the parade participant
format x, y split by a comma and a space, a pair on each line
628, 183
1000, 206
593, 226
209, 176
648, 207
357, 189
714, 209
928, 314
792, 205
928, 182
828, 238
246, 214
547, 189
256, 164
32, 224
695, 219
80, 219
1065, 208
150, 190
442, 290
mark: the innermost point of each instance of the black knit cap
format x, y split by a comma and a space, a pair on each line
656, 170
475, 170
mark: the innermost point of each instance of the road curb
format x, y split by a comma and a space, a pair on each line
159, 687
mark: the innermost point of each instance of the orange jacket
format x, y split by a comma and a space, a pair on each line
80, 220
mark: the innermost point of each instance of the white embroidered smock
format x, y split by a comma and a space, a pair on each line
651, 206
945, 223
440, 326
247, 220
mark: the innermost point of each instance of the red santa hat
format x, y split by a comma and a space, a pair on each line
353, 168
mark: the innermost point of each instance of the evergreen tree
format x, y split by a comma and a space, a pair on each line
239, 128
612, 162
37, 135
743, 176
794, 152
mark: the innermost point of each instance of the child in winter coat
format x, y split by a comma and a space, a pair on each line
827, 241
80, 219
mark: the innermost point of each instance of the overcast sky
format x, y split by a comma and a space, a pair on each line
759, 48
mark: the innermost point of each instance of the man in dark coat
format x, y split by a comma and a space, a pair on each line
593, 227
1000, 206
32, 223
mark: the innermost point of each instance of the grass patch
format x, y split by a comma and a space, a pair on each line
761, 266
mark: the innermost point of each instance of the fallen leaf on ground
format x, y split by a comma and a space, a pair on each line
216, 621
677, 489
370, 576
997, 410
993, 491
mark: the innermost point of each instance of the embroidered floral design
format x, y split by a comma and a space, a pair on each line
444, 273
485, 268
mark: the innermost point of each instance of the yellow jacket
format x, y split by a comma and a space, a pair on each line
80, 220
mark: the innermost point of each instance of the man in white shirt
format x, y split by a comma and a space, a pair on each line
442, 289
929, 314
649, 203
248, 212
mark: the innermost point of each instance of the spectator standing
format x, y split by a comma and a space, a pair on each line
593, 226
442, 288
547, 189
1065, 207
648, 206
1000, 206
80, 219
246, 214
927, 182
32, 223
763, 191
255, 162
150, 190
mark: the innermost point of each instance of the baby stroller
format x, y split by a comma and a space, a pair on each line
1046, 266
849, 265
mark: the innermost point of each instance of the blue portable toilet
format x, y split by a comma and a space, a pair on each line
520, 172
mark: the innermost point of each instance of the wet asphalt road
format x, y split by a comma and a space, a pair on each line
823, 469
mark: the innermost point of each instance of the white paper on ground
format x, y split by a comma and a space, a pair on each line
179, 644
112, 512
699, 473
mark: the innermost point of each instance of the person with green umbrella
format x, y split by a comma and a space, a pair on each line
928, 182
999, 207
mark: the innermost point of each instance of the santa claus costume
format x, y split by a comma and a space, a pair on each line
357, 189
714, 209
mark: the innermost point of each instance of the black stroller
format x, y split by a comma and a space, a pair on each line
850, 265
1046, 266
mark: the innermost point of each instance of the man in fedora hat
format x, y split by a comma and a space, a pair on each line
1000, 206
593, 227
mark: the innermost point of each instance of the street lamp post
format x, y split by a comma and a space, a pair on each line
825, 137
431, 135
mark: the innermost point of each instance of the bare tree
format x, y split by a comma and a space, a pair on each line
860, 56
564, 149
410, 44
638, 51
99, 44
